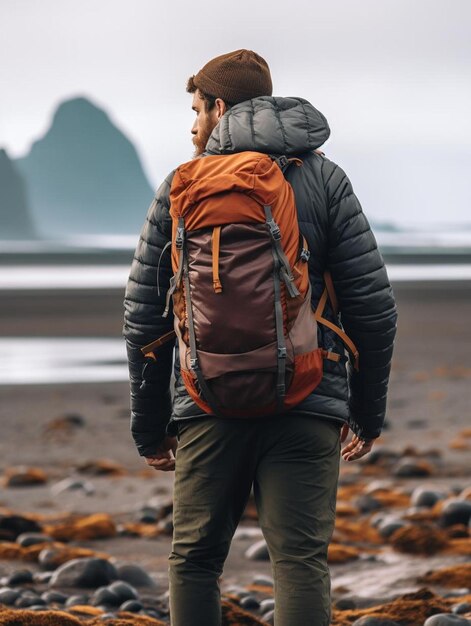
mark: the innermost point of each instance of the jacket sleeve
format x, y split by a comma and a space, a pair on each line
366, 302
144, 303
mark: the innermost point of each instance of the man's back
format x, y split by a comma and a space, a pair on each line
340, 240
291, 459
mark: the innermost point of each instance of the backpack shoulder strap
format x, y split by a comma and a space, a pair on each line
329, 293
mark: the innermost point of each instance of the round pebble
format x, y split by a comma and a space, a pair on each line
269, 617
455, 512
423, 497
462, 607
265, 581
73, 484
85, 572
42, 577
133, 606
366, 503
258, 551
345, 604
134, 575
410, 468
446, 619
30, 539
20, 577
105, 596
9, 596
390, 525
147, 515
250, 603
123, 590
76, 599
267, 605
54, 596
27, 600
13, 525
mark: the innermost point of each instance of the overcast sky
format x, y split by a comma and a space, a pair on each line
393, 78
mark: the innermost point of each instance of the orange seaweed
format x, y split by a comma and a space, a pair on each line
95, 526
410, 609
423, 539
458, 575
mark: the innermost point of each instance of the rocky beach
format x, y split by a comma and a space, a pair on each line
85, 524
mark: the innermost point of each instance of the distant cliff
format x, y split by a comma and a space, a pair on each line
15, 215
84, 176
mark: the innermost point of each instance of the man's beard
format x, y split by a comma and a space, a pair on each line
201, 138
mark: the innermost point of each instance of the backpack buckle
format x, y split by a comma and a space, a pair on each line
305, 254
179, 238
282, 353
194, 364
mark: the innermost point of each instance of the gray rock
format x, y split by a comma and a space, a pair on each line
147, 515
366, 503
374, 621
13, 525
422, 496
267, 605
86, 572
410, 468
446, 619
461, 607
124, 590
73, 484
27, 600
54, 596
260, 579
133, 606
76, 599
9, 596
237, 591
250, 603
345, 604
105, 596
258, 551
390, 525
30, 539
42, 577
134, 575
20, 577
455, 511
269, 617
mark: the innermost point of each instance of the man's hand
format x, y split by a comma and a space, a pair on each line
164, 457
356, 448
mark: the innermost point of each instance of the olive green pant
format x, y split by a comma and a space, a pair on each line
293, 465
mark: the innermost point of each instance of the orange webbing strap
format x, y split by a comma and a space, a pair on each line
332, 356
215, 241
149, 349
331, 291
338, 331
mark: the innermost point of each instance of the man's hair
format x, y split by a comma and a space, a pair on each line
209, 101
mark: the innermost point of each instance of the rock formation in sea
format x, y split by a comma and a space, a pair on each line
84, 175
15, 215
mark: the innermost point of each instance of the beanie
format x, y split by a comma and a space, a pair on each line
235, 77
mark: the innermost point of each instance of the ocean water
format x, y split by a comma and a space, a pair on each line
41, 361
40, 277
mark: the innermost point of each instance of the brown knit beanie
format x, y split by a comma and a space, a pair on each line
235, 77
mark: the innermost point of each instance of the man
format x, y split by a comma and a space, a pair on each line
292, 460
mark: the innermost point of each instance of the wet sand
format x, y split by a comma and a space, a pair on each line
427, 425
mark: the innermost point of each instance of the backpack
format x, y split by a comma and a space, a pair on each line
241, 294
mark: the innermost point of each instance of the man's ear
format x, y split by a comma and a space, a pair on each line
221, 108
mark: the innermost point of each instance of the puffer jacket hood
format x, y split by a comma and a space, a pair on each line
272, 125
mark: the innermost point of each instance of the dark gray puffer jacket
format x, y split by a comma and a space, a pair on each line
340, 240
